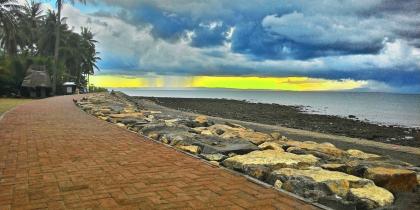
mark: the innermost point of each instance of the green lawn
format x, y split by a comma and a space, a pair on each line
8, 103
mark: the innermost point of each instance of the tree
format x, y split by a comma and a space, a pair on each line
30, 27
30, 43
59, 4
8, 25
89, 56
47, 33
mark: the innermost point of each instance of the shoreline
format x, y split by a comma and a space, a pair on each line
292, 117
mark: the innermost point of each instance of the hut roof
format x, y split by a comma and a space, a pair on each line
37, 76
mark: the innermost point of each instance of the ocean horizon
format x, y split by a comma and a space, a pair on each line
396, 109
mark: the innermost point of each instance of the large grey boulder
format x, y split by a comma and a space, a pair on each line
214, 144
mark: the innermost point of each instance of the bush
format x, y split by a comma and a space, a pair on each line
94, 89
13, 71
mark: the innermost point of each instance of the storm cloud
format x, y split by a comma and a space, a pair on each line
377, 40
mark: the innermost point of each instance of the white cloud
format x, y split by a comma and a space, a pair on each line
122, 39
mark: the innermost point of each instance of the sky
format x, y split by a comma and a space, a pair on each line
370, 45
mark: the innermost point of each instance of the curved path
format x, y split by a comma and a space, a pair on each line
54, 156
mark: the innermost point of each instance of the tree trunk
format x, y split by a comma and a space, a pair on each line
57, 46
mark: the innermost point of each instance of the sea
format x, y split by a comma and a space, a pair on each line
380, 108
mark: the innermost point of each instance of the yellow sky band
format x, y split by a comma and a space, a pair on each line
260, 83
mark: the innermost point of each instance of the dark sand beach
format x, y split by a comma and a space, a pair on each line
293, 117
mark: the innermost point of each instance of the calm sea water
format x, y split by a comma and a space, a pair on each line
381, 108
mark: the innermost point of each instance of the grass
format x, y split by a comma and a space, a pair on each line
9, 103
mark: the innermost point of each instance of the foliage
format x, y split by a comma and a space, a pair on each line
13, 70
94, 89
27, 37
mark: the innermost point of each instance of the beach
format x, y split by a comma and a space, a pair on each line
293, 117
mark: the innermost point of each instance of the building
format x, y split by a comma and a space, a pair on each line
37, 82
69, 88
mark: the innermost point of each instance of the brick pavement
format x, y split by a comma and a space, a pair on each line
54, 156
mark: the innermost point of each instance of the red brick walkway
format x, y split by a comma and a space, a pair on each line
52, 155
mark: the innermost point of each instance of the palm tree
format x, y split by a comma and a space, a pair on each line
89, 55
8, 25
47, 33
30, 26
59, 4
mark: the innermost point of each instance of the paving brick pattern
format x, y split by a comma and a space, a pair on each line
54, 156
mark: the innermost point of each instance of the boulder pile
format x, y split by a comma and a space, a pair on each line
321, 172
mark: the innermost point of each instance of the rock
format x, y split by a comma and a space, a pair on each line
234, 125
272, 159
175, 138
227, 132
213, 130
254, 137
257, 171
127, 115
155, 112
358, 167
202, 121
305, 187
82, 103
334, 167
103, 118
370, 197
171, 122
213, 157
207, 133
351, 116
161, 128
354, 153
328, 144
87, 108
232, 154
130, 121
116, 108
296, 150
314, 195
336, 182
270, 145
120, 125
191, 148
97, 114
276, 135
215, 163
278, 184
128, 110
392, 179
214, 144
105, 111
313, 146
153, 135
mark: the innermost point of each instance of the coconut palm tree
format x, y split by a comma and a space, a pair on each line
59, 4
8, 25
30, 26
89, 55
47, 33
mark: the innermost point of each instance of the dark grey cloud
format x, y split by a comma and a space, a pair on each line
336, 39
292, 29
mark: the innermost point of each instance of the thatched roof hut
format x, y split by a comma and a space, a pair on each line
37, 82
37, 76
